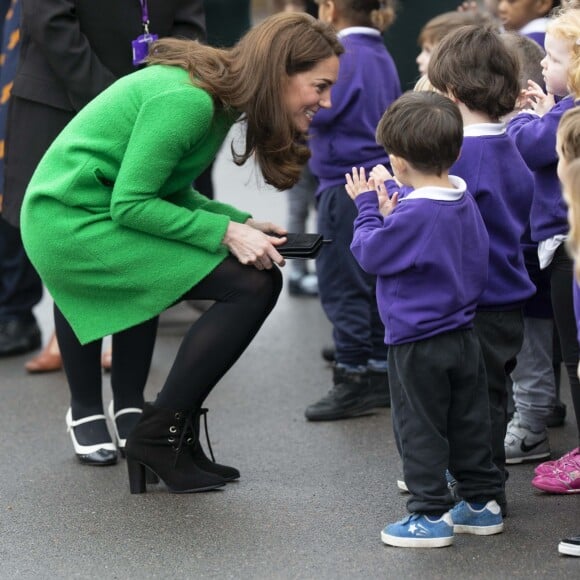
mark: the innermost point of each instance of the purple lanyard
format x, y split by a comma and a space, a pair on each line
144, 16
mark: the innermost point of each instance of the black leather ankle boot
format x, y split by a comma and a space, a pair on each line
161, 442
199, 456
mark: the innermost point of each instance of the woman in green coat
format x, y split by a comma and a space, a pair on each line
117, 234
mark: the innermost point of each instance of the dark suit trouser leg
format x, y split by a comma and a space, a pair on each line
20, 285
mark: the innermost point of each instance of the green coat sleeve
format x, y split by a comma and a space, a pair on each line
168, 128
192, 199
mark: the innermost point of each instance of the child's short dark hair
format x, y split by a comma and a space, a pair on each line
423, 128
476, 67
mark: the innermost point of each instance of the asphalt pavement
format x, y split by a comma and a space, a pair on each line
312, 499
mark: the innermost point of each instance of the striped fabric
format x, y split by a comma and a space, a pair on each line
8, 62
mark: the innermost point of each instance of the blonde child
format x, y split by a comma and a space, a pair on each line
568, 147
534, 404
534, 133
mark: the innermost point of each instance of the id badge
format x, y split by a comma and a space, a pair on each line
141, 47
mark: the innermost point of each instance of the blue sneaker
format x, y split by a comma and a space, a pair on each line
481, 522
420, 531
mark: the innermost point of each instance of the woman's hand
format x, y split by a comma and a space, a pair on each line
252, 246
267, 227
539, 101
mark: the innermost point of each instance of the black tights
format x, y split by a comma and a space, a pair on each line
562, 278
244, 296
132, 352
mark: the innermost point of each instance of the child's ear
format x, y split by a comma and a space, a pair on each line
327, 11
398, 164
451, 96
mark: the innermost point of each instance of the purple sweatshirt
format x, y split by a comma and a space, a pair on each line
502, 186
536, 30
344, 135
535, 138
430, 256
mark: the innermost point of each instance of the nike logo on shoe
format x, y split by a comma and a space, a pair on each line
527, 448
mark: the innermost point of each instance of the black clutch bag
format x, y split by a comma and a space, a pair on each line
302, 246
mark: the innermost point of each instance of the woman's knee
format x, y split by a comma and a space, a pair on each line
268, 284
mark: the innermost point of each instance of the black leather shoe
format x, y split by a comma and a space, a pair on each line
349, 397
98, 454
18, 337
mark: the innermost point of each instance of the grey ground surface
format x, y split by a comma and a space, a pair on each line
312, 499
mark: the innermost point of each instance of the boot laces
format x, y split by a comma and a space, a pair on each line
185, 437
190, 436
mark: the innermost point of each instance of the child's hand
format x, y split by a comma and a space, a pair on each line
381, 174
386, 204
357, 183
539, 101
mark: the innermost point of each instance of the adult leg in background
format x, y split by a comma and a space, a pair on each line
82, 365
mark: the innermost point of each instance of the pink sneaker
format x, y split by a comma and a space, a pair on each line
548, 467
565, 480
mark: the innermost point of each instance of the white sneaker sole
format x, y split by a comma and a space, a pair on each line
398, 542
478, 530
568, 549
525, 458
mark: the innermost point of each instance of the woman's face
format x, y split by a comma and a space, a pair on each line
309, 91
555, 65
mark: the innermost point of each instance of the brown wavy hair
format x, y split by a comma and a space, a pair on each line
250, 79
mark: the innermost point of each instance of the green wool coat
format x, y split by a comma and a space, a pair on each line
110, 219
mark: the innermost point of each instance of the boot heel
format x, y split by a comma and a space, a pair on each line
137, 477
151, 477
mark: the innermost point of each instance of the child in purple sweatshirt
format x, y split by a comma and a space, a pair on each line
340, 137
429, 252
566, 479
478, 72
534, 132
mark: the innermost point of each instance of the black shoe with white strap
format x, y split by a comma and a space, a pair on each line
100, 453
